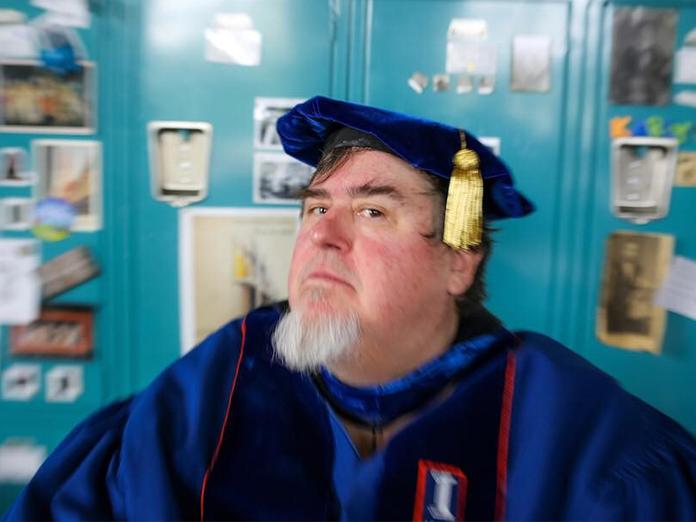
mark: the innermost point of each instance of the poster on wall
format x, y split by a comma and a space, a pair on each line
34, 99
635, 265
642, 55
231, 260
70, 170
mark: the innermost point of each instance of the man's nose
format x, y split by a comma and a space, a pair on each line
334, 230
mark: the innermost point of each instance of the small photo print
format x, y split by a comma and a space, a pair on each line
13, 167
279, 178
64, 383
16, 213
266, 114
71, 170
35, 99
21, 382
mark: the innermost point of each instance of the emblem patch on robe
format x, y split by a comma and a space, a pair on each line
440, 492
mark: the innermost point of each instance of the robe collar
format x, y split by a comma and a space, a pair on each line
378, 405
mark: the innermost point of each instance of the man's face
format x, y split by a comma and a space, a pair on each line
362, 247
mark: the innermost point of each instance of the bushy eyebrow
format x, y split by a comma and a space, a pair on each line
367, 189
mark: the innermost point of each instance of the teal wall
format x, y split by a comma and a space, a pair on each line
545, 270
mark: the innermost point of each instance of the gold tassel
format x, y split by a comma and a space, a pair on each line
464, 210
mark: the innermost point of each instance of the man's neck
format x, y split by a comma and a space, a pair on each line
379, 359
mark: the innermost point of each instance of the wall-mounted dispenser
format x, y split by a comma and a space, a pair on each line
179, 159
642, 169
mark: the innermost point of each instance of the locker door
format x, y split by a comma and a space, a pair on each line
666, 380
411, 35
177, 83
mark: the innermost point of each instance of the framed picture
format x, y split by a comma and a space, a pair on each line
58, 332
279, 178
34, 99
16, 213
634, 267
230, 261
13, 167
266, 114
71, 170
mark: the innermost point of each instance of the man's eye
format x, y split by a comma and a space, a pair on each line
371, 213
316, 210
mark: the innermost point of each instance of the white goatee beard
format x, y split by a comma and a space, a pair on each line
306, 344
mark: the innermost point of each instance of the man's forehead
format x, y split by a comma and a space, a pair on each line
373, 187
372, 168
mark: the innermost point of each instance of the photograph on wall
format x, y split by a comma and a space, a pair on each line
21, 382
70, 170
231, 261
64, 383
266, 114
67, 271
279, 178
686, 170
35, 99
642, 54
13, 167
531, 63
16, 213
58, 332
635, 265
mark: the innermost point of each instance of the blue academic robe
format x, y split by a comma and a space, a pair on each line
529, 431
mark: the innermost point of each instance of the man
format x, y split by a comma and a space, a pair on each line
385, 390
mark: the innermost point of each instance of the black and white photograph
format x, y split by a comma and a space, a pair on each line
642, 56
35, 99
16, 213
266, 114
13, 167
634, 267
278, 178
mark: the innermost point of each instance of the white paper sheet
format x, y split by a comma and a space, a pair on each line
678, 292
685, 65
20, 285
19, 462
18, 41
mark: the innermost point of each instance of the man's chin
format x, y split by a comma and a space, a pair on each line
306, 339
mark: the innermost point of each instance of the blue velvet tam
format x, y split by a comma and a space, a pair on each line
426, 145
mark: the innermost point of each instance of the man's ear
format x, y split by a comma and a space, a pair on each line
463, 267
